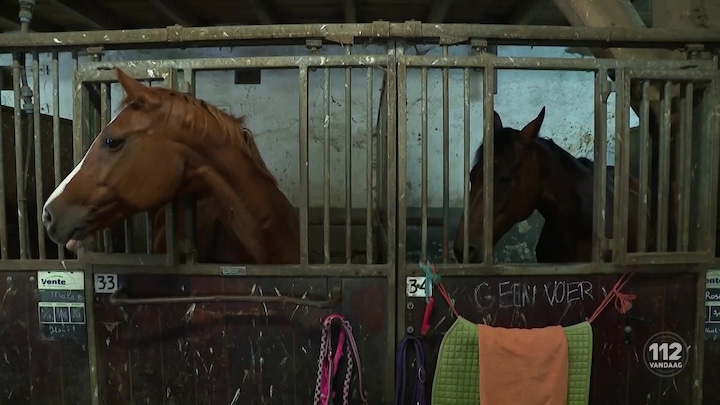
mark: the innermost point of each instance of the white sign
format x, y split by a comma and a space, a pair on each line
666, 354
106, 283
415, 287
61, 280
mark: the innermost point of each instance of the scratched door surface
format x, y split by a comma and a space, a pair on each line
663, 302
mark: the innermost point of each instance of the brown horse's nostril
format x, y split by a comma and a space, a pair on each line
47, 218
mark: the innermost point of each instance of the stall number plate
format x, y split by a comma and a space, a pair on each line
106, 283
415, 286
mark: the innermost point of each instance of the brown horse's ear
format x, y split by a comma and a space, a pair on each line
136, 91
498, 125
531, 130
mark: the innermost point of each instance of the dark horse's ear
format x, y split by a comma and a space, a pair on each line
531, 130
498, 125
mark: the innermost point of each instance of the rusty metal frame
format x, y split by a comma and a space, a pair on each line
178, 36
394, 148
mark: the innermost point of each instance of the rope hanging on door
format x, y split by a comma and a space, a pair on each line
328, 364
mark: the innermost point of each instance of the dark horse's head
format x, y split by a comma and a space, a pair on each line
517, 176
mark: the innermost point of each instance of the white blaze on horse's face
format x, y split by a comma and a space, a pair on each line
61, 187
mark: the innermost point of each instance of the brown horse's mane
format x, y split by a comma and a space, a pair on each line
196, 114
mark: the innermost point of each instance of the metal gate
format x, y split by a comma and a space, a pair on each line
161, 344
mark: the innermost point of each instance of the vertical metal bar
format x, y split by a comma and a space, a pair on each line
644, 187
57, 156
190, 228
170, 251
348, 159
3, 214
600, 153
326, 166
369, 168
79, 122
466, 164
392, 149
684, 171
21, 201
401, 158
710, 150
664, 169
91, 337
424, 160
304, 202
488, 160
37, 138
148, 233
698, 353
104, 119
446, 158
622, 165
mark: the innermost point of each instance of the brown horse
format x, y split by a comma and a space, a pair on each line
534, 173
163, 144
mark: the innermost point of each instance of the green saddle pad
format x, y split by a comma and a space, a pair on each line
456, 373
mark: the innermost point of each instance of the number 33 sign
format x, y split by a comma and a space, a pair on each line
106, 283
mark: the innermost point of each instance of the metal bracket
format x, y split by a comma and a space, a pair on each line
697, 51
478, 46
95, 52
313, 45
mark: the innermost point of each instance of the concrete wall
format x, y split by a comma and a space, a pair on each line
271, 109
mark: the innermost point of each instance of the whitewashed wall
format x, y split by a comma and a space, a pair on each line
271, 109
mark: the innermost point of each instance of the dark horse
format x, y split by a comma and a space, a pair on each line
534, 173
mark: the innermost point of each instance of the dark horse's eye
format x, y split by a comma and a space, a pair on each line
112, 143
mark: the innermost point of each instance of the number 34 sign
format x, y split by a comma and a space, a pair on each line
666, 354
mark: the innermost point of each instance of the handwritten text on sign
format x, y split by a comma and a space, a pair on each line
512, 294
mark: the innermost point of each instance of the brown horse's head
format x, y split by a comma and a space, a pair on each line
517, 188
133, 165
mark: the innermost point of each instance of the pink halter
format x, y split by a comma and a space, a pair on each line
327, 369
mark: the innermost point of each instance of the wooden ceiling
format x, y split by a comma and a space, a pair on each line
82, 15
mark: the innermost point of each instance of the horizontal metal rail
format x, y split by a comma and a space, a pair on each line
178, 36
335, 297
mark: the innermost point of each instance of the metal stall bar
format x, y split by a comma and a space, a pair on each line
446, 157
326, 166
104, 119
600, 236
57, 156
622, 165
178, 36
20, 181
488, 162
424, 160
348, 159
303, 163
390, 174
466, 165
684, 162
664, 168
645, 169
37, 138
369, 168
401, 156
3, 214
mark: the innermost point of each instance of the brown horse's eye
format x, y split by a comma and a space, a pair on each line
112, 143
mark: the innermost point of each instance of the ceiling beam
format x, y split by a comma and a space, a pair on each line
350, 11
263, 12
438, 11
177, 12
90, 15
